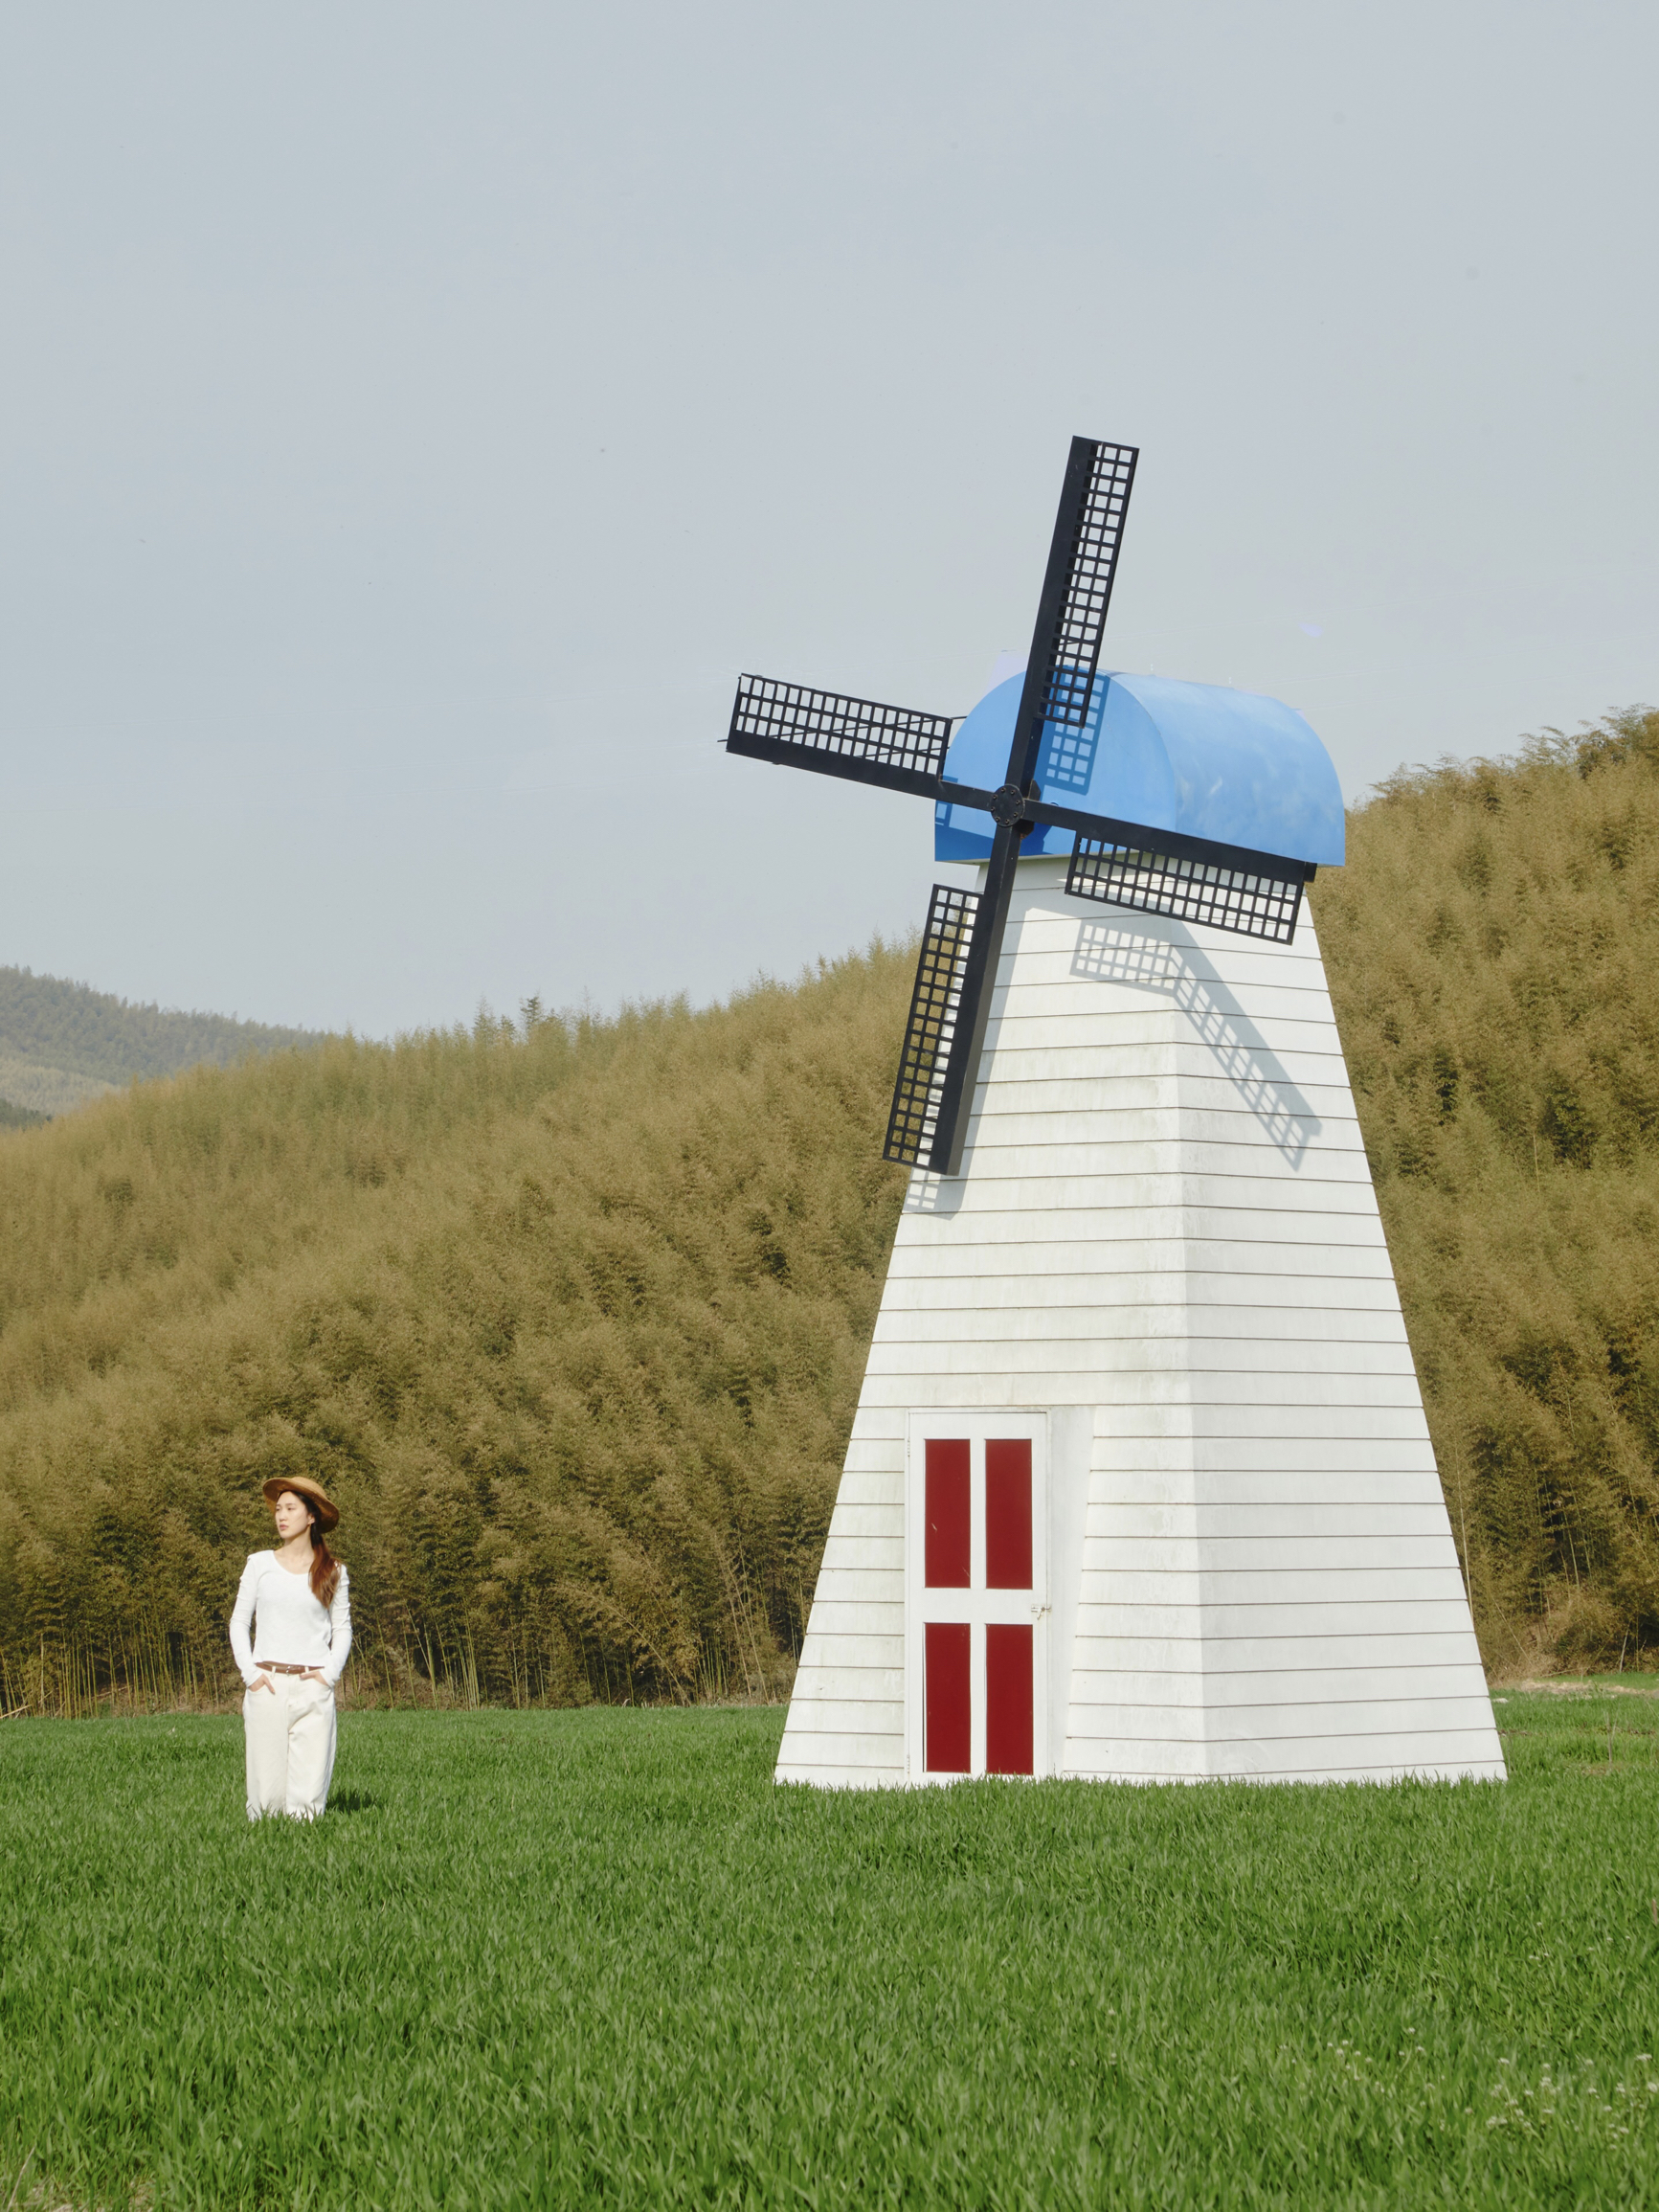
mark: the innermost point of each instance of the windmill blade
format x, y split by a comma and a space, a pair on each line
935, 1011
1076, 594
895, 747
1091, 518
1165, 872
948, 1012
1254, 896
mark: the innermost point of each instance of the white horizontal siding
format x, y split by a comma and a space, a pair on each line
1100, 1044
1180, 1239
1218, 1721
870, 1653
869, 1585
1343, 1377
1018, 1182
855, 1747
1152, 1306
1213, 1459
1041, 1082
858, 1683
1130, 1273
1152, 1617
1241, 1658
831, 1777
859, 1524
1117, 1308
1142, 1421
1052, 930
1366, 1414
1278, 1018
1268, 1688
1215, 1143
875, 1464
1167, 1218
1230, 1417
859, 1552
867, 1488
1228, 1371
836, 1616
865, 1717
1230, 1472
1218, 1553
1123, 1521
1225, 1589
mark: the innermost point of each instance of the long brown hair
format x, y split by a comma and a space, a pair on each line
325, 1566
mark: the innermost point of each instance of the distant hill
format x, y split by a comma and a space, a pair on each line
63, 1044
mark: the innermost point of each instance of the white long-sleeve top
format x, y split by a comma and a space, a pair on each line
289, 1624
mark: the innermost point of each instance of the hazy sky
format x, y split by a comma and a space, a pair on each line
413, 418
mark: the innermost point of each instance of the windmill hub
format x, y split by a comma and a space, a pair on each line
1130, 863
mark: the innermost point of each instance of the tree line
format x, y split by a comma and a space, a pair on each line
56, 1024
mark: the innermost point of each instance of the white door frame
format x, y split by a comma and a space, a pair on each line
976, 1604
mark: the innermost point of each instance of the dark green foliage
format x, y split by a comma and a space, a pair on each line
87, 1033
20, 1117
557, 1959
1493, 953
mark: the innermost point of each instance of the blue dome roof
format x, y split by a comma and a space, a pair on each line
1232, 766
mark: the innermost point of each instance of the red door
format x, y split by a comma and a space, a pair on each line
980, 1614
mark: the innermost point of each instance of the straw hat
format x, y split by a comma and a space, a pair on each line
303, 1486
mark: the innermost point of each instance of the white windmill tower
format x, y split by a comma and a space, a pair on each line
1139, 1485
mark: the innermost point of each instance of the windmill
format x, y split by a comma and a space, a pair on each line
1139, 1485
1156, 871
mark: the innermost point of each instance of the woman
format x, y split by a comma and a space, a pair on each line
297, 1599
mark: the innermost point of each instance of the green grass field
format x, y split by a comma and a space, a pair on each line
596, 1958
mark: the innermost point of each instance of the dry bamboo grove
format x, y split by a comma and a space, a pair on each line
570, 1314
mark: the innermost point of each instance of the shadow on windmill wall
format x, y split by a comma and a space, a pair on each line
936, 1194
1067, 761
1179, 969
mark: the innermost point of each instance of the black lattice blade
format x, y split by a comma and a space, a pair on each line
773, 720
1221, 898
934, 1007
1091, 518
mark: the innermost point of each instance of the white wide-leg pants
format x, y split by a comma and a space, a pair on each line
290, 1737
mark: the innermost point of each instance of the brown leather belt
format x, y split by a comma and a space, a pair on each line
278, 1667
